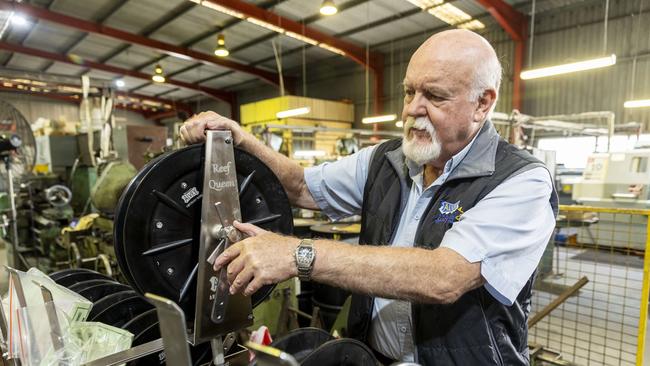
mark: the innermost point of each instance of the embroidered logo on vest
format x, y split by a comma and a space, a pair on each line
449, 212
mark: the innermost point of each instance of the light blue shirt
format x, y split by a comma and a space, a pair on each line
507, 231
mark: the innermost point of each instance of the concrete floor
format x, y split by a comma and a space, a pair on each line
599, 326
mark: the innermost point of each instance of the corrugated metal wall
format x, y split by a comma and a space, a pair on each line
577, 34
564, 34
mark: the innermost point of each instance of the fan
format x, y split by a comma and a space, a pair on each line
12, 122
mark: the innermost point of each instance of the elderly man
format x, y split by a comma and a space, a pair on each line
454, 219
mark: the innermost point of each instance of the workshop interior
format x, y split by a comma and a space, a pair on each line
110, 222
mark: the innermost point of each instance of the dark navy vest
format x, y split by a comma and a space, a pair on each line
476, 329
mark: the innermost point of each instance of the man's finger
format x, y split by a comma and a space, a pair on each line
241, 281
227, 256
252, 287
233, 269
248, 229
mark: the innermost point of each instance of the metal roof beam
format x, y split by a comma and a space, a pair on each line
72, 99
167, 48
371, 60
516, 25
211, 33
100, 19
219, 94
25, 36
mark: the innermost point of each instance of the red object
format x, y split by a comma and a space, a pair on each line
516, 25
219, 94
373, 61
166, 48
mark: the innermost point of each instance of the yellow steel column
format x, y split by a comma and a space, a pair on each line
643, 317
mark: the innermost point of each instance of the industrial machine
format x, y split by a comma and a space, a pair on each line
615, 179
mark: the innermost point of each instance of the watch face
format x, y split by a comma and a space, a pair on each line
304, 256
304, 252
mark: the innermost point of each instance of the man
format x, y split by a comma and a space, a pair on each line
454, 219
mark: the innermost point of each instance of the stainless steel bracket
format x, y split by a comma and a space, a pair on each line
217, 312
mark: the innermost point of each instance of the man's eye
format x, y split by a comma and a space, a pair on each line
433, 96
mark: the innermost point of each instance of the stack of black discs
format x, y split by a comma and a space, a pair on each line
118, 305
316, 347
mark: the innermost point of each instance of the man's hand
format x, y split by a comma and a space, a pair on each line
193, 130
261, 259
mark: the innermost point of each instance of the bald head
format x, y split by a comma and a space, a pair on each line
464, 56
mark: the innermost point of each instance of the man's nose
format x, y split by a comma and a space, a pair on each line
417, 106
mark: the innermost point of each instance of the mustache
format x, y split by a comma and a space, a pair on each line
420, 123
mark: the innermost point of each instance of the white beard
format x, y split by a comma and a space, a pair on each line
419, 152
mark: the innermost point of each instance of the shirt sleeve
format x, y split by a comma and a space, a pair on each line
507, 231
337, 187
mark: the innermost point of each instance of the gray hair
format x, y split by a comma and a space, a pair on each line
487, 76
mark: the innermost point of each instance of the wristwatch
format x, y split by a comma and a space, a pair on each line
305, 255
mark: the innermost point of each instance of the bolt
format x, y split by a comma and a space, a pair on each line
183, 185
228, 140
250, 316
170, 271
159, 224
258, 200
219, 317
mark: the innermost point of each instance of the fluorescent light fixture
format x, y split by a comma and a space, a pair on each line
308, 153
300, 37
399, 124
472, 25
120, 83
19, 20
293, 112
219, 8
328, 8
568, 68
637, 103
332, 49
449, 14
266, 25
378, 119
424, 4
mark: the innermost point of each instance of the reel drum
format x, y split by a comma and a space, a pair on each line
158, 217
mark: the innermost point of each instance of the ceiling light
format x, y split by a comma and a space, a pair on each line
219, 8
266, 25
568, 68
19, 20
472, 25
332, 49
120, 83
399, 124
221, 50
637, 103
449, 14
158, 77
378, 119
328, 8
293, 112
300, 37
424, 4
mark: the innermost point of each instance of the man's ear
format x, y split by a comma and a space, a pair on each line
485, 103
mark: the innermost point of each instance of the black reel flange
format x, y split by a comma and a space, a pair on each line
158, 217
